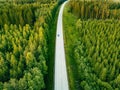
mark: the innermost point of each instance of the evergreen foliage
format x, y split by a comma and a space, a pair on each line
24, 31
92, 36
97, 54
102, 9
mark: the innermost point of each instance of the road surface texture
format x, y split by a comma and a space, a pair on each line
61, 80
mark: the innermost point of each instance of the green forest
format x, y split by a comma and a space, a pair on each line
92, 43
91, 38
25, 27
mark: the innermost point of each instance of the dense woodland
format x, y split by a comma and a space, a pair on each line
93, 44
26, 1
95, 9
97, 54
24, 32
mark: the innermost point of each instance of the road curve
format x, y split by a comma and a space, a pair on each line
60, 77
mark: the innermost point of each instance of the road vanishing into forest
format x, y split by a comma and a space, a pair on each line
60, 77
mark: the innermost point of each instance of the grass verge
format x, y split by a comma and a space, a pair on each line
70, 35
51, 53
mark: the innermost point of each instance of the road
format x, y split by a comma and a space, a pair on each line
60, 78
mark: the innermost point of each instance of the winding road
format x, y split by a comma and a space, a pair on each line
60, 78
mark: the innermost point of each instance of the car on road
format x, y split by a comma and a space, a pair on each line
58, 35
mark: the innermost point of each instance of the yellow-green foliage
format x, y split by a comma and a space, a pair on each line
23, 45
97, 53
92, 47
94, 9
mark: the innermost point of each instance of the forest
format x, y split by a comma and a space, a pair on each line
24, 33
91, 38
95, 9
92, 42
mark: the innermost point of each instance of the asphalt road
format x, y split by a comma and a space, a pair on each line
60, 77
